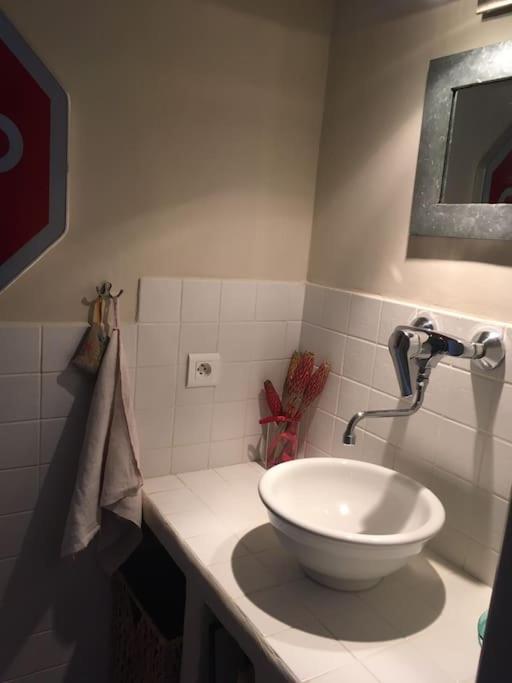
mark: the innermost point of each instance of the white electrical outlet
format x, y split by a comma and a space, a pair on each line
203, 369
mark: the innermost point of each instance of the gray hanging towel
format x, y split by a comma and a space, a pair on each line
107, 500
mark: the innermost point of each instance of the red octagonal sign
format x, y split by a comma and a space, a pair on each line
33, 156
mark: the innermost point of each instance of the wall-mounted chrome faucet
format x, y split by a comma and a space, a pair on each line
421, 343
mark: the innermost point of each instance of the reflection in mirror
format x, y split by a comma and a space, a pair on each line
478, 166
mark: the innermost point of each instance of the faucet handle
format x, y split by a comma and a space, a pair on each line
404, 343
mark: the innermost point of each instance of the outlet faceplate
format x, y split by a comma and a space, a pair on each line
203, 369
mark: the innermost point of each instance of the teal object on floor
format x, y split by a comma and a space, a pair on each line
482, 625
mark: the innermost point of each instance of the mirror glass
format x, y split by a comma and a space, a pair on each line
478, 164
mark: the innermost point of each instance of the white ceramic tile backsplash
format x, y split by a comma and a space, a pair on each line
20, 349
59, 344
158, 345
19, 444
200, 301
159, 300
238, 301
459, 444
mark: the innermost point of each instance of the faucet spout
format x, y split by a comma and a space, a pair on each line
349, 437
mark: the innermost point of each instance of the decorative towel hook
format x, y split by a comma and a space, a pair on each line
104, 291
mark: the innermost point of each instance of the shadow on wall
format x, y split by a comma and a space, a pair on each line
496, 252
65, 602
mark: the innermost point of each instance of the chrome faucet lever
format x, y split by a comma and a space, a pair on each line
422, 345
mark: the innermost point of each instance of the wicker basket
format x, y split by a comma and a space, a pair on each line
140, 653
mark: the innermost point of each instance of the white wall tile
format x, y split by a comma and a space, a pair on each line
488, 519
200, 301
61, 438
414, 467
159, 300
313, 452
19, 444
186, 396
353, 398
238, 301
19, 397
314, 304
501, 417
20, 349
359, 360
420, 436
269, 341
192, 424
224, 453
394, 314
39, 651
158, 345
339, 449
457, 496
481, 562
364, 317
65, 393
197, 338
321, 430
59, 345
496, 468
451, 544
328, 401
234, 383
190, 458
296, 294
272, 301
129, 334
390, 430
254, 447
279, 301
12, 533
464, 397
18, 490
325, 344
236, 341
155, 462
228, 420
154, 428
260, 371
378, 451
336, 309
458, 450
155, 389
255, 409
293, 334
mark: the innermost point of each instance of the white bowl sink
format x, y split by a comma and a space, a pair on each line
349, 523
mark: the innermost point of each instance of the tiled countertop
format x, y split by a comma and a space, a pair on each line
416, 626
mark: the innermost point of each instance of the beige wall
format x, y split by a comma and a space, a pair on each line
379, 62
193, 145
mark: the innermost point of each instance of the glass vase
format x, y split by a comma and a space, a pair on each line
281, 443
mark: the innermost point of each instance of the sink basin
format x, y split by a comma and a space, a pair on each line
349, 523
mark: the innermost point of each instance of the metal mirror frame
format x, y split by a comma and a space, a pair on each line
428, 216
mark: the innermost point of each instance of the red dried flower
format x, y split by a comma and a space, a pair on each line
273, 399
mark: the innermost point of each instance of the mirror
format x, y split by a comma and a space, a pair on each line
478, 168
464, 173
